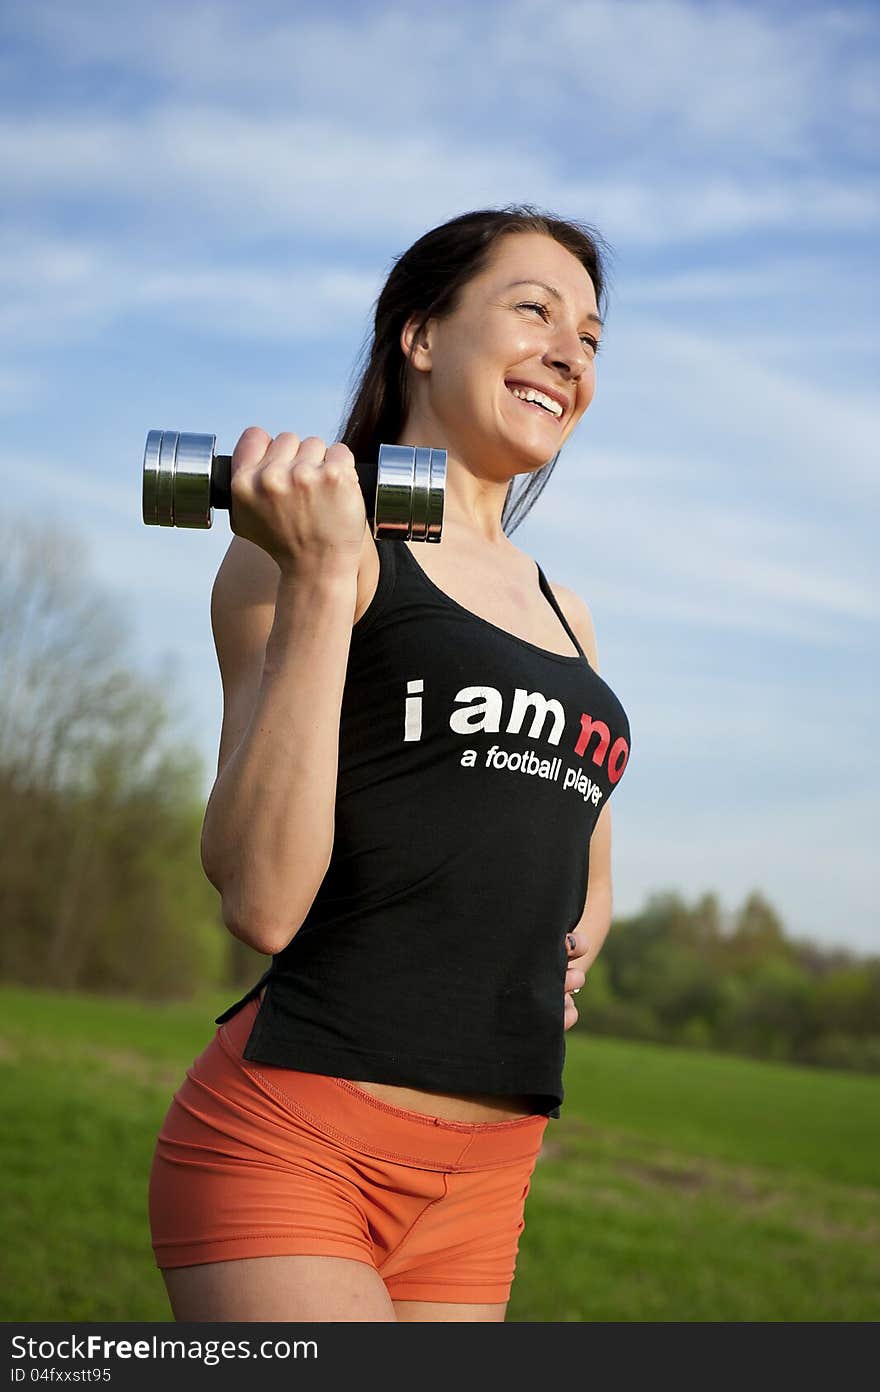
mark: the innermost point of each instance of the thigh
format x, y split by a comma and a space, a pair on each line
291, 1289
444, 1312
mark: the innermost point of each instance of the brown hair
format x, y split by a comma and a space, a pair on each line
427, 281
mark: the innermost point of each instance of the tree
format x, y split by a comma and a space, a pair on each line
757, 934
101, 884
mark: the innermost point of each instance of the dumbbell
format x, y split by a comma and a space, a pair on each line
184, 480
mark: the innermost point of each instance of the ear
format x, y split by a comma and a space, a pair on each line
416, 347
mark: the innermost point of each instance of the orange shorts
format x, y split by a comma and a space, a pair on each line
254, 1160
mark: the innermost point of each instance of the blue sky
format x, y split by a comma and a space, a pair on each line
200, 204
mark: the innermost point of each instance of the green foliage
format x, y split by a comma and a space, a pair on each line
757, 936
847, 999
774, 1018
672, 973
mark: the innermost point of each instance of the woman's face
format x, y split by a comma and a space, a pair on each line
526, 322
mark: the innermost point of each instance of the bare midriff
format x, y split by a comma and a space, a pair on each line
452, 1106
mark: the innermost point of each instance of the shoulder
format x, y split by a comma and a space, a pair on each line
578, 615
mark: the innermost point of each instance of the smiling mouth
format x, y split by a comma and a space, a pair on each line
536, 401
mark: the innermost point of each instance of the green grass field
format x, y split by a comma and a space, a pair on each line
675, 1186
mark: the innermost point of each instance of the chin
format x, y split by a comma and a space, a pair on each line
533, 460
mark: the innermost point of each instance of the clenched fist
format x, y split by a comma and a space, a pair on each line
299, 500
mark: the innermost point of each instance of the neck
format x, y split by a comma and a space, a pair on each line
474, 502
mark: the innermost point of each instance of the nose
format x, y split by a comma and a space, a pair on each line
568, 355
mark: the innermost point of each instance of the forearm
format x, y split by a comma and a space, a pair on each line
268, 830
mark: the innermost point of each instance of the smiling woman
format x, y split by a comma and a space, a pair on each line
416, 752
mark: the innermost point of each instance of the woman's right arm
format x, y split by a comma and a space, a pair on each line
282, 626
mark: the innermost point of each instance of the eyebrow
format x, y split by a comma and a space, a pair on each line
551, 290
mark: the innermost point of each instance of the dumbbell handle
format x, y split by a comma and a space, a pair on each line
221, 482
184, 480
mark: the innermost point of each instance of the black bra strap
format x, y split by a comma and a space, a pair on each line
545, 586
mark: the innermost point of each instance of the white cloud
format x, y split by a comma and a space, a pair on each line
247, 174
763, 417
735, 555
702, 539
57, 290
727, 79
700, 602
658, 120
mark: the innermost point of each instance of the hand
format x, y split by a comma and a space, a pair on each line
299, 500
575, 976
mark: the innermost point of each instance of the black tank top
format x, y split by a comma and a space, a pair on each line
473, 766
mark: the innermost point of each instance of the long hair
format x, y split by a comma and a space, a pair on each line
427, 281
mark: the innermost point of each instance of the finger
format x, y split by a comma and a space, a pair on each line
338, 453
570, 1013
576, 942
251, 447
575, 978
282, 450
311, 451
275, 467
339, 463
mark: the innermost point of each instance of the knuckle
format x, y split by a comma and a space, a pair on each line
273, 483
251, 445
311, 450
339, 454
255, 436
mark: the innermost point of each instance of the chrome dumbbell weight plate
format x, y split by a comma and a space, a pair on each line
184, 480
177, 480
410, 492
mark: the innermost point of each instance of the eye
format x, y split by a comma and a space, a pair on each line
532, 304
545, 314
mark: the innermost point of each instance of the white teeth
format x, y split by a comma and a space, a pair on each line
529, 394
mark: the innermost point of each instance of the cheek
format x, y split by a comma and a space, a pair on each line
448, 381
587, 388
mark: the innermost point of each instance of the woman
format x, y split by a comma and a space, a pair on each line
410, 809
